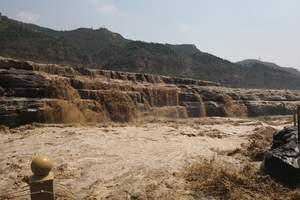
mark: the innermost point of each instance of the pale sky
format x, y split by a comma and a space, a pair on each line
231, 29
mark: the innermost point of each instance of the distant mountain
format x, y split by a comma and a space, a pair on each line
253, 62
104, 49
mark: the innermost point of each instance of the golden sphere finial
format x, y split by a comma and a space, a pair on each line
41, 165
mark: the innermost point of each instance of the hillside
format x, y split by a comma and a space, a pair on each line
104, 49
253, 63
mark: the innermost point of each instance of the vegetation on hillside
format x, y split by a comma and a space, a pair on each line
104, 49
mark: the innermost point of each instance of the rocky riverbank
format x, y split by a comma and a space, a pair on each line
48, 93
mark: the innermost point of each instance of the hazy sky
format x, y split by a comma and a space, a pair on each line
231, 29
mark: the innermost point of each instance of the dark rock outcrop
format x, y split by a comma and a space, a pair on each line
282, 162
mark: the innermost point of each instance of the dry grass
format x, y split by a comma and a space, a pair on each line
216, 180
260, 142
209, 179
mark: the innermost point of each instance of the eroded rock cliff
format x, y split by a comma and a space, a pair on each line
31, 92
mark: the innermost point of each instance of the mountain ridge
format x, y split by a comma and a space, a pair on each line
251, 62
103, 49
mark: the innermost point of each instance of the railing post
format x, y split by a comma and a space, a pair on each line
41, 182
298, 122
295, 118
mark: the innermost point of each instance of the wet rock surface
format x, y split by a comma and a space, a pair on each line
282, 161
32, 92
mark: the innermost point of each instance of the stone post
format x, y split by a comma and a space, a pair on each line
41, 182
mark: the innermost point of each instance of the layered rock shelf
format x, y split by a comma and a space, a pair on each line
48, 93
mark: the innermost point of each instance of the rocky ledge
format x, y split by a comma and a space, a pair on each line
48, 93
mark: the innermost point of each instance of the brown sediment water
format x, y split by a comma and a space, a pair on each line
132, 160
